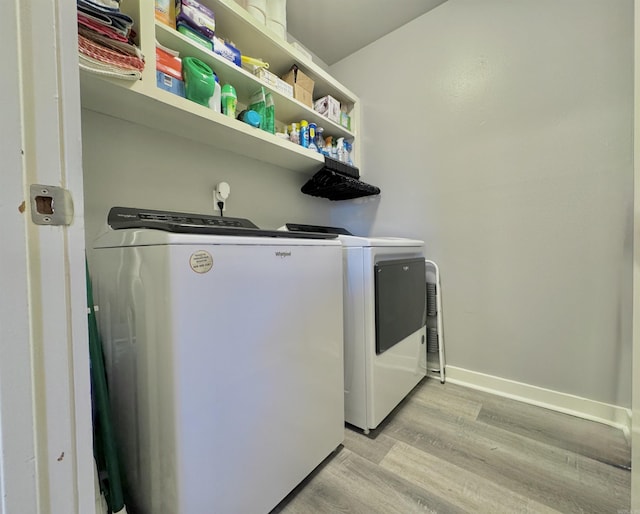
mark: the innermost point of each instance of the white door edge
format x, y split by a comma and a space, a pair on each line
46, 459
17, 451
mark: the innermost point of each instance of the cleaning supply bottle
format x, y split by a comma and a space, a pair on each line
229, 100
348, 147
312, 137
257, 103
304, 133
215, 102
329, 148
250, 117
269, 122
294, 134
320, 140
340, 150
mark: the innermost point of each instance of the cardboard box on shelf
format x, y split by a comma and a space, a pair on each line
166, 12
328, 107
170, 83
302, 85
168, 63
169, 72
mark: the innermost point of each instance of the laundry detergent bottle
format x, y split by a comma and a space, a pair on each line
215, 102
229, 100
198, 80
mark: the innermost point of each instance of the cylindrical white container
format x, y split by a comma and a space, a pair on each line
278, 28
215, 102
258, 9
277, 16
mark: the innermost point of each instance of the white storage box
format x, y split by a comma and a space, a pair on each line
274, 81
329, 107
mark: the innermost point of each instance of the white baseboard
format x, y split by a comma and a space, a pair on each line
593, 410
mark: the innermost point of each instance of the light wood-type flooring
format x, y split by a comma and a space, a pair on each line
448, 448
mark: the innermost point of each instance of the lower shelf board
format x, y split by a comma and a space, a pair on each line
161, 110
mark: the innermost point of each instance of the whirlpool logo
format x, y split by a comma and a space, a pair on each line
282, 255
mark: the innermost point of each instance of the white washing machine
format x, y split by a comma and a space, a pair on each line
385, 352
224, 356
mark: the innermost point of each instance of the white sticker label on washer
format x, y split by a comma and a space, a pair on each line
201, 261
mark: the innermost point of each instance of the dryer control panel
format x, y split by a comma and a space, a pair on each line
298, 227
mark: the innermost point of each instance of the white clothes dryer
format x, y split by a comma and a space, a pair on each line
224, 356
385, 353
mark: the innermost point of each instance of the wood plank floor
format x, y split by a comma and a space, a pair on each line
447, 449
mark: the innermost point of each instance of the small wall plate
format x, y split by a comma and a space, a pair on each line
50, 205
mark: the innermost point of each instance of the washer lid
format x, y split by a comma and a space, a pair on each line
143, 227
347, 239
190, 223
152, 237
380, 241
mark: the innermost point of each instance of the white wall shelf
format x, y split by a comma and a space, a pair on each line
287, 109
170, 113
146, 104
236, 24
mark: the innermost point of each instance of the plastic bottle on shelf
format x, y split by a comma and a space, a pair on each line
215, 102
250, 117
198, 80
312, 137
304, 133
284, 134
294, 134
229, 100
269, 123
340, 150
348, 147
320, 140
329, 147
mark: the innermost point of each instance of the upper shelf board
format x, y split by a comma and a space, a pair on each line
256, 40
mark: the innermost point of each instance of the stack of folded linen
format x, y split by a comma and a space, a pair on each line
105, 40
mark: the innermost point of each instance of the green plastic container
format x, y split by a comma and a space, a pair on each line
269, 123
195, 36
199, 80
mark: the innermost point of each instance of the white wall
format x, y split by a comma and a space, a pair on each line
500, 132
132, 166
635, 435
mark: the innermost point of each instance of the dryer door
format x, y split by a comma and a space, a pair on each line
400, 300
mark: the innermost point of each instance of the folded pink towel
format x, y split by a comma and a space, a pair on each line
108, 56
